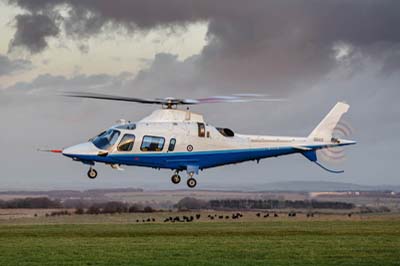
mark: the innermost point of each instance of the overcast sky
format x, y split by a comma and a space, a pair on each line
312, 52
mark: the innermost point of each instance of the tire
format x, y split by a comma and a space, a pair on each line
176, 179
92, 173
191, 182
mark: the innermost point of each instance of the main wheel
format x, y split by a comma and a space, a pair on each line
191, 182
92, 173
176, 179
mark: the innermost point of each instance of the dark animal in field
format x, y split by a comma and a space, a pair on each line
153, 220
275, 215
198, 216
221, 217
236, 215
212, 217
137, 221
266, 215
227, 217
349, 215
258, 214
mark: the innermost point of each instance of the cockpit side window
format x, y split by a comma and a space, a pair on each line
172, 143
106, 139
126, 143
152, 143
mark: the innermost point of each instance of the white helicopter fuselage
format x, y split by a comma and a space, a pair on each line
182, 141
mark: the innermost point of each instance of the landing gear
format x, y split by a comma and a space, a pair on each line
176, 178
191, 182
92, 173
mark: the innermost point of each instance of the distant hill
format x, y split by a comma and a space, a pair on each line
287, 186
311, 186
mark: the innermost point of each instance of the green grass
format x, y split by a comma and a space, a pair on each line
204, 243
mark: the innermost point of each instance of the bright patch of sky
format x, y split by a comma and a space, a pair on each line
111, 54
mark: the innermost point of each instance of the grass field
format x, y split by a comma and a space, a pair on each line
273, 242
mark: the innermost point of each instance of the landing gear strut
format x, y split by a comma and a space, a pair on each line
92, 173
176, 178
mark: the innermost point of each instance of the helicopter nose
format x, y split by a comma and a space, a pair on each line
83, 149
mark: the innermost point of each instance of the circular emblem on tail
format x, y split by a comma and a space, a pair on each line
189, 147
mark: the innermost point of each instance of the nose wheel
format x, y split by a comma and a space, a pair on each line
92, 173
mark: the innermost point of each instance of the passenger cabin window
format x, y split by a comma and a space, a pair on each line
172, 143
202, 130
126, 143
151, 143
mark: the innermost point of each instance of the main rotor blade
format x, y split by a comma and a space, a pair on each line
236, 98
99, 96
233, 99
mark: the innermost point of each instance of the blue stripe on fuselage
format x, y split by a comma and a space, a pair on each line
202, 159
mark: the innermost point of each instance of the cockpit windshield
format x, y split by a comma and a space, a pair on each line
106, 139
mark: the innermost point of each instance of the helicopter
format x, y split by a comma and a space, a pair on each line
182, 141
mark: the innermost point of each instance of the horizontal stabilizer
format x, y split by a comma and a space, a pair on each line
301, 148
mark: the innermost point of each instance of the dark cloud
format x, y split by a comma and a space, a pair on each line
272, 43
32, 32
9, 66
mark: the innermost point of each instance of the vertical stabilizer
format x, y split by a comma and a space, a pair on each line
323, 132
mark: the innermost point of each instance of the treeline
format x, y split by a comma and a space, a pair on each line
278, 204
81, 207
246, 204
187, 203
114, 207
30, 203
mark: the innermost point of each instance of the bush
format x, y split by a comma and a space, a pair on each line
189, 203
148, 209
79, 211
135, 208
93, 210
115, 207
